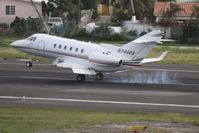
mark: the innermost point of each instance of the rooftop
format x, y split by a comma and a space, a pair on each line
186, 8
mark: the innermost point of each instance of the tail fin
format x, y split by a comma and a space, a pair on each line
141, 47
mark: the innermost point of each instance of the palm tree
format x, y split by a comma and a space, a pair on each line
141, 8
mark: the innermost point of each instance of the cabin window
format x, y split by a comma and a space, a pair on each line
10, 10
59, 46
55, 45
82, 50
76, 50
71, 48
65, 47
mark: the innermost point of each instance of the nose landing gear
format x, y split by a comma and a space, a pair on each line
29, 62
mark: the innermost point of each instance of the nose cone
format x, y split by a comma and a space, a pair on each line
13, 44
16, 44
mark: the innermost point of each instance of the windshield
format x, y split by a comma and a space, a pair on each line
32, 38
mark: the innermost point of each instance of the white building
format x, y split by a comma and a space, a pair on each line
9, 9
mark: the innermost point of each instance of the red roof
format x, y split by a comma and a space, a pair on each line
186, 8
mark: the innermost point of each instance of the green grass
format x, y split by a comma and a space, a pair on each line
177, 55
6, 41
12, 54
26, 120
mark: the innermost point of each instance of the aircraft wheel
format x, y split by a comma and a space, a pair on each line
28, 64
81, 77
99, 76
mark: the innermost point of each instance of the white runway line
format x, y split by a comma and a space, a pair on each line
98, 101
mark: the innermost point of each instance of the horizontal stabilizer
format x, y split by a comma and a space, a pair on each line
149, 60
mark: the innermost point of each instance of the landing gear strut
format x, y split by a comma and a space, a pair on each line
99, 76
81, 77
29, 62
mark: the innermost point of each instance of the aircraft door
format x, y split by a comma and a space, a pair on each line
41, 48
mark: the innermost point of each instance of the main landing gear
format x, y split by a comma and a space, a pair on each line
99, 76
82, 77
29, 62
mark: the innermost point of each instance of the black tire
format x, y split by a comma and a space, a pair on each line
99, 76
28, 64
81, 77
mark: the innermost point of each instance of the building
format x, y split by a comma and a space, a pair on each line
180, 1
9, 9
183, 15
105, 7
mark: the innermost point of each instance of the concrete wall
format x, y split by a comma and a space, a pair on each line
22, 9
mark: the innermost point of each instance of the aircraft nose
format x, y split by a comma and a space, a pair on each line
13, 44
16, 44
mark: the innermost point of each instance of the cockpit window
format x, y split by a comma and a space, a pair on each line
32, 38
29, 38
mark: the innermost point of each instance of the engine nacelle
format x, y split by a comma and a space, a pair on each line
104, 59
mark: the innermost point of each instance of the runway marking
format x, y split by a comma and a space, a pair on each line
98, 101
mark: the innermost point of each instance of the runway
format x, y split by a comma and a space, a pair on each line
151, 88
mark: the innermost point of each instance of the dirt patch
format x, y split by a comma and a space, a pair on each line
151, 127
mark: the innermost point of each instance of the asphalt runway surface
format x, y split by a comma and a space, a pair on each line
151, 88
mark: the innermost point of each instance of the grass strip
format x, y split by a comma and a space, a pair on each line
177, 55
27, 120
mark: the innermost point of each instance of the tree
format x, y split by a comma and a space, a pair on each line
169, 16
140, 8
58, 7
89, 4
191, 27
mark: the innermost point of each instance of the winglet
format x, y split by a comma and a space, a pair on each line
149, 60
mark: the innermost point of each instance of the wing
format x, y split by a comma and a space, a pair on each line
77, 68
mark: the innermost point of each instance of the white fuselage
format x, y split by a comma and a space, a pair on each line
73, 50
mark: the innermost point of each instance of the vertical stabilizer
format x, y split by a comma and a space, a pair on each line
141, 47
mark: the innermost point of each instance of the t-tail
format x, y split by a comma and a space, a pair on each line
141, 47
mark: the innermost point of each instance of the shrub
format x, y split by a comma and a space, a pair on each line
23, 26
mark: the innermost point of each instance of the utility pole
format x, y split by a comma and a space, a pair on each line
43, 22
132, 6
79, 13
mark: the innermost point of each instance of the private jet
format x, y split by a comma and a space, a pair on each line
86, 58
